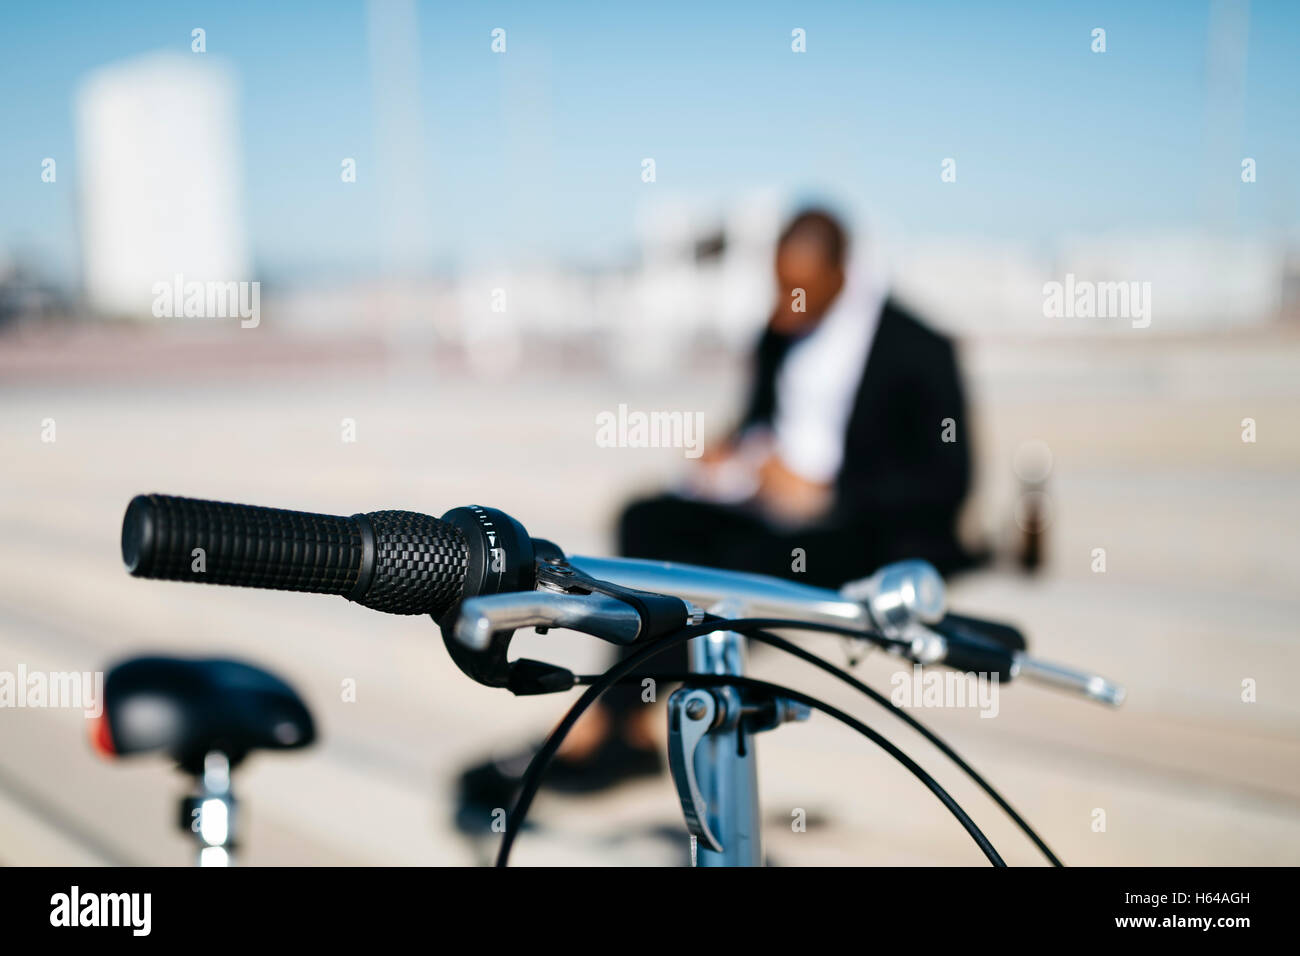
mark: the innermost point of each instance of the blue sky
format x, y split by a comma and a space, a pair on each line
536, 153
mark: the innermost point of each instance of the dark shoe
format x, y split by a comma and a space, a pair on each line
614, 762
485, 791
494, 785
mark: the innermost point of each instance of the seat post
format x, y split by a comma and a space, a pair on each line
209, 814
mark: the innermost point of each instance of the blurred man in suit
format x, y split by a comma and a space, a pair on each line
852, 452
852, 446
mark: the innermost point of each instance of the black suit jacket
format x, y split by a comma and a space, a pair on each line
900, 480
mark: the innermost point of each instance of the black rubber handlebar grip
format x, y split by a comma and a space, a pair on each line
395, 561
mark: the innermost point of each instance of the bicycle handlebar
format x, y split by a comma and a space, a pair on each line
754, 595
403, 562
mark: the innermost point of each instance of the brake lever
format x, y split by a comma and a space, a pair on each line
1093, 686
904, 597
928, 647
478, 631
597, 614
477, 634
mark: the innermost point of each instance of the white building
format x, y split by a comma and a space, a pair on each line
159, 160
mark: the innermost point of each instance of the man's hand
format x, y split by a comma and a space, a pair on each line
727, 472
789, 497
717, 452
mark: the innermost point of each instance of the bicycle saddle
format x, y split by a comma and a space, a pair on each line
187, 707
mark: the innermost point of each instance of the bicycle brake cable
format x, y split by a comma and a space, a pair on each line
723, 680
599, 684
790, 647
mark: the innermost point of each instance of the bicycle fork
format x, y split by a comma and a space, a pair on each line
711, 752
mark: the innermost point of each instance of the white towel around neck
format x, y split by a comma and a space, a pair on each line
819, 380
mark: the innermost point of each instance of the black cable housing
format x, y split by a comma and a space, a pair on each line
533, 775
790, 647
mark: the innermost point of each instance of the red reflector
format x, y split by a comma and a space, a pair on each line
101, 737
